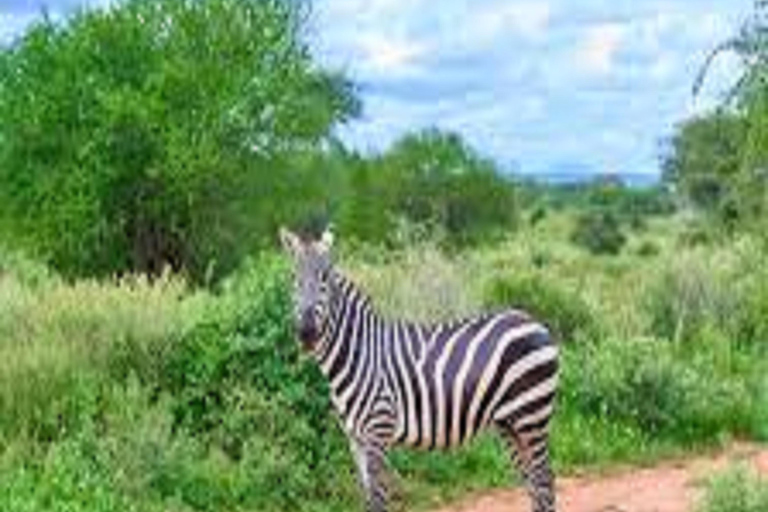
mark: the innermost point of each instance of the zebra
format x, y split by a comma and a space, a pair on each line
399, 383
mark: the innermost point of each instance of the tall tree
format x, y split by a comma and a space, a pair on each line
156, 133
720, 160
704, 158
435, 178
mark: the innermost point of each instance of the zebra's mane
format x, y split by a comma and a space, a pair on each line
352, 289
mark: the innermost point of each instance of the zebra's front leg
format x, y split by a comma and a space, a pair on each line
370, 458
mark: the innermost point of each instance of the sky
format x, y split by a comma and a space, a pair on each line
541, 86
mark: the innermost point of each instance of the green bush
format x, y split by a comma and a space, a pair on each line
599, 232
61, 343
538, 214
749, 320
565, 313
689, 296
434, 179
239, 376
155, 134
648, 249
696, 234
736, 490
149, 414
646, 384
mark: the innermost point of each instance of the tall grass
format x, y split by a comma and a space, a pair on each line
148, 396
658, 349
131, 395
56, 337
736, 490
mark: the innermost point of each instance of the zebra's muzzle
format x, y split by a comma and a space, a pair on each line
307, 330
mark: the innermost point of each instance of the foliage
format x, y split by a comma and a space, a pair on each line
736, 490
367, 213
697, 293
59, 342
648, 249
565, 313
687, 297
645, 384
703, 161
248, 342
719, 160
599, 232
156, 134
149, 398
134, 395
435, 179
625, 201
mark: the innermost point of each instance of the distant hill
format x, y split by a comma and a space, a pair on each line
565, 177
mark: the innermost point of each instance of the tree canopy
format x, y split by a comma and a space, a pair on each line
719, 160
434, 179
156, 133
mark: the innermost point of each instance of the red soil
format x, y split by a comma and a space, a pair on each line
669, 487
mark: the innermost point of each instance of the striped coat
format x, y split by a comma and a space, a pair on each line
427, 386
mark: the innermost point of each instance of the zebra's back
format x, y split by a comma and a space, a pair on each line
493, 368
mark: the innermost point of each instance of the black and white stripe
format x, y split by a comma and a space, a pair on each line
436, 386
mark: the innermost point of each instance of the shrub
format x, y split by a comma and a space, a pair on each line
146, 401
648, 249
646, 384
696, 234
599, 232
240, 375
687, 296
750, 318
564, 312
60, 343
736, 490
538, 215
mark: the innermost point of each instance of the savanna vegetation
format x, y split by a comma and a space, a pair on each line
148, 153
736, 490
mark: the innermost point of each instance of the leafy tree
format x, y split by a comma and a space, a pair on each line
435, 178
704, 160
366, 212
720, 160
157, 133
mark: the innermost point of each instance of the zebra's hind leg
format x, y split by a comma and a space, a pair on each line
529, 450
371, 467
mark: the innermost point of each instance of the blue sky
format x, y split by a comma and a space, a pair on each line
540, 85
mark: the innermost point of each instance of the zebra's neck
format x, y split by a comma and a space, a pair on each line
350, 318
358, 346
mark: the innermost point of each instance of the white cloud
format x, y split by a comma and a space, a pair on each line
595, 53
590, 84
386, 55
498, 19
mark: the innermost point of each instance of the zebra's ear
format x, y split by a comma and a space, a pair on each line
290, 241
325, 244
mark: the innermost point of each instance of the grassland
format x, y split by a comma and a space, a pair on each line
134, 395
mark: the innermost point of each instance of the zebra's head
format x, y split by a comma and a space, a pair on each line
311, 278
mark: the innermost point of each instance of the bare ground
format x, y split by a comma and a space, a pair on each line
669, 487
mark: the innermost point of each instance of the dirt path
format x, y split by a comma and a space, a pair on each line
669, 487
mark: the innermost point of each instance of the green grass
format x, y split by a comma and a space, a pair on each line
131, 395
736, 490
